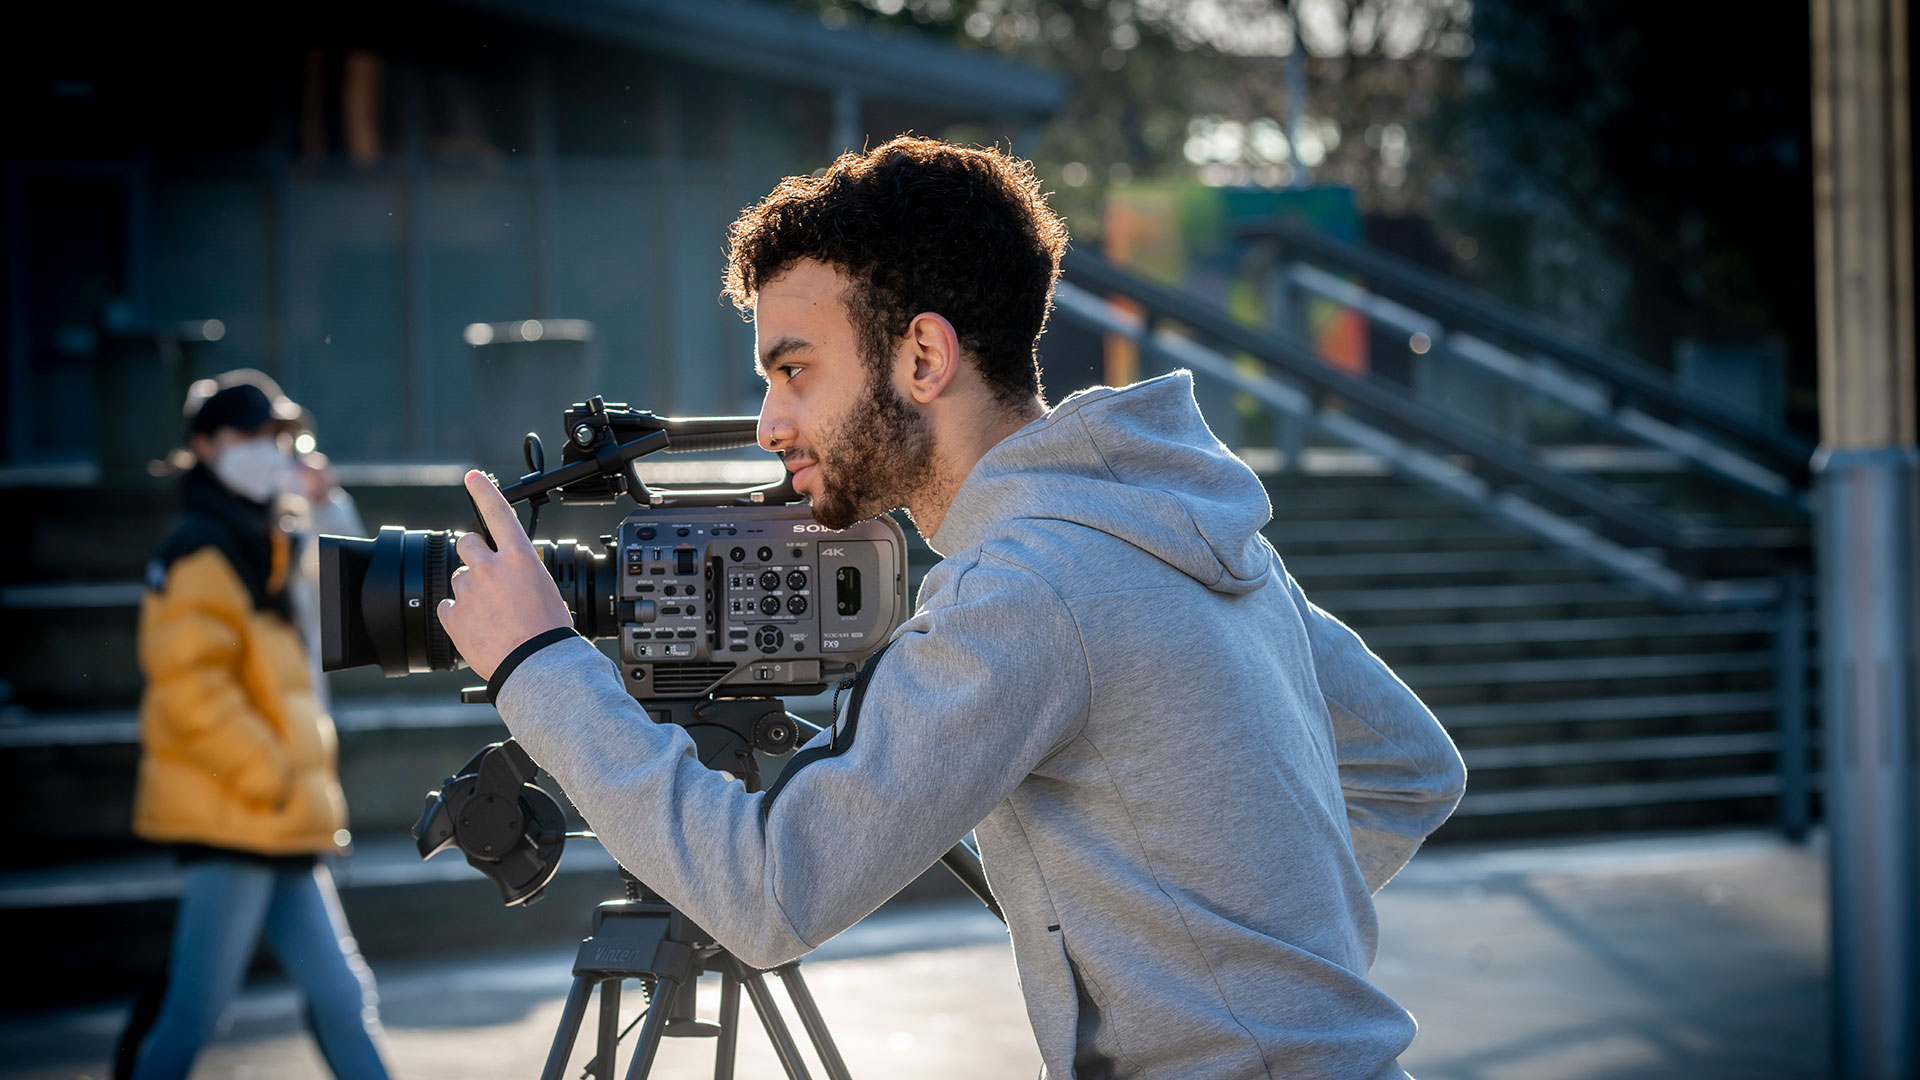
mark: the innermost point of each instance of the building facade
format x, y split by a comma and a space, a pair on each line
351, 197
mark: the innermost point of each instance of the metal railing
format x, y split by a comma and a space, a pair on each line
1608, 388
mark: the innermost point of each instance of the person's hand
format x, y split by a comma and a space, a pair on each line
500, 598
317, 477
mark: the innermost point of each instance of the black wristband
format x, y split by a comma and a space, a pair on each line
520, 654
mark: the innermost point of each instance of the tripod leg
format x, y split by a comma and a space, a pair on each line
660, 1004
811, 1019
729, 1026
569, 1029
783, 1044
608, 1043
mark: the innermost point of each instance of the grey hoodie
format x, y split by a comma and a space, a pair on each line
1185, 779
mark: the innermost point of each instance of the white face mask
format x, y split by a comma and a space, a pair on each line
256, 470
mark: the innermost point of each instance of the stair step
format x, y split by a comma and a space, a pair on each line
1286, 533
1600, 796
1474, 597
1600, 709
1605, 751
1421, 676
1524, 631
1428, 564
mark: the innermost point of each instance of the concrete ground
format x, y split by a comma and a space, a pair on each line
1701, 957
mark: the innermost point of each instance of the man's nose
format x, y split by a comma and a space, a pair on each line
773, 431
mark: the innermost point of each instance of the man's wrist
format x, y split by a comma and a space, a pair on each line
521, 653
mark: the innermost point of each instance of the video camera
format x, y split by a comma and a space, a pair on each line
709, 592
721, 601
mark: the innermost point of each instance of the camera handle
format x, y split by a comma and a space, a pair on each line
610, 459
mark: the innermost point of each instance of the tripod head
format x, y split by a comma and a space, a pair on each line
513, 831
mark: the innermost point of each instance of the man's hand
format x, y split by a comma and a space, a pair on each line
500, 598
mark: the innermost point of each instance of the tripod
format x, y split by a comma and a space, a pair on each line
512, 831
643, 937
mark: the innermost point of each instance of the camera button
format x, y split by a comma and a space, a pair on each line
687, 633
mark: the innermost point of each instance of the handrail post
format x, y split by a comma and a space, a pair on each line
1283, 314
1790, 703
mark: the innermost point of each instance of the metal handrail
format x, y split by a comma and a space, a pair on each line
1781, 450
1495, 462
1585, 395
1646, 571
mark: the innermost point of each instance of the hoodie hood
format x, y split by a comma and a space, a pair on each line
1138, 463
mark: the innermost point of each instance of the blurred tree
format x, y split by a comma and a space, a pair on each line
1177, 89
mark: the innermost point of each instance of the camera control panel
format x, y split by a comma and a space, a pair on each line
743, 595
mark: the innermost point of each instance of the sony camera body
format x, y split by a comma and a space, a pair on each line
752, 600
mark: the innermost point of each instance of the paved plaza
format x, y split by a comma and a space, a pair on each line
1701, 957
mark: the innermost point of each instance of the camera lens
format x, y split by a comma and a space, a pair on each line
380, 597
378, 600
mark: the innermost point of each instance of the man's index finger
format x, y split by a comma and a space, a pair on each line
501, 521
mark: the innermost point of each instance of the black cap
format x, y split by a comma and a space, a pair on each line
243, 399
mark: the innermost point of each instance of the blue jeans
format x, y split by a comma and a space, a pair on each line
225, 906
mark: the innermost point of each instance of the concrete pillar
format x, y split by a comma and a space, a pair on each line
1869, 529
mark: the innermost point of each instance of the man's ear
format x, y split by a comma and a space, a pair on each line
930, 355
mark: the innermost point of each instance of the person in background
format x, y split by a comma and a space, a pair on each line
316, 506
237, 767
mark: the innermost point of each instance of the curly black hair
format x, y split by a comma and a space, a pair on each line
918, 225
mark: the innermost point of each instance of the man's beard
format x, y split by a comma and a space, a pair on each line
874, 459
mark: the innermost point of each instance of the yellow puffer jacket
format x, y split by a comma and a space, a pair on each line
238, 752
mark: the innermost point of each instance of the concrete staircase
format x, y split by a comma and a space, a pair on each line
1578, 705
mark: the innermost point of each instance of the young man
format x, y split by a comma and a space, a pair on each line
1185, 779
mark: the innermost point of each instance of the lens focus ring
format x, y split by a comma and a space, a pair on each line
439, 585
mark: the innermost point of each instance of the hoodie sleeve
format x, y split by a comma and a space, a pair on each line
972, 694
1399, 772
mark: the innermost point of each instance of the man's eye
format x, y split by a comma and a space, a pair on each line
788, 370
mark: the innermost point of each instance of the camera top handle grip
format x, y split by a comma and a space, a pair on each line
609, 459
709, 433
